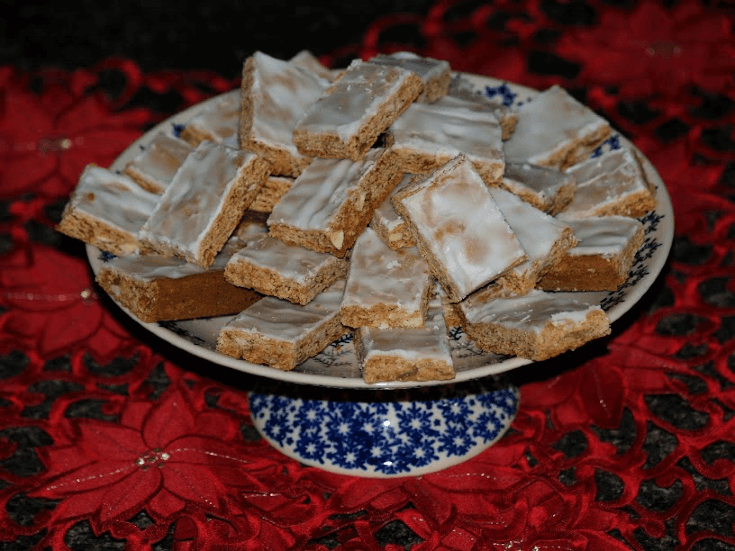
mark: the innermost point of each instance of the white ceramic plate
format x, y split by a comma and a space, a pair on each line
337, 365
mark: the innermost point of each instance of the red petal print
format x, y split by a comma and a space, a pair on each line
171, 419
193, 483
164, 504
131, 495
107, 440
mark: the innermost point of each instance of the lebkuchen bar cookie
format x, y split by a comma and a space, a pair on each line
154, 167
611, 184
282, 334
347, 120
537, 325
409, 354
332, 201
555, 130
436, 75
290, 272
459, 228
307, 60
107, 210
546, 189
275, 95
602, 257
385, 288
157, 288
544, 238
427, 136
204, 203
389, 225
217, 122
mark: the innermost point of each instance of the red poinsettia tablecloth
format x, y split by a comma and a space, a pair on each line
108, 438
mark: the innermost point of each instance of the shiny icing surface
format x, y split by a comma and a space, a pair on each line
285, 321
425, 67
386, 214
318, 193
380, 275
162, 158
220, 120
545, 182
547, 124
603, 235
459, 222
448, 127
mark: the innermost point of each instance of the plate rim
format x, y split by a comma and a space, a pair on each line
663, 205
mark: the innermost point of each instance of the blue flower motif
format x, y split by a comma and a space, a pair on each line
178, 129
415, 421
456, 440
311, 446
454, 410
507, 96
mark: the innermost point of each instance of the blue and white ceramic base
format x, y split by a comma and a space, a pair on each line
385, 433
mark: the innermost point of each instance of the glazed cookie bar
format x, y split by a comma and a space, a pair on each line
414, 354
544, 238
290, 272
385, 287
546, 189
537, 326
217, 122
347, 120
204, 203
611, 184
459, 228
427, 136
275, 95
332, 201
436, 75
555, 130
281, 334
156, 288
390, 226
307, 60
154, 167
507, 116
107, 210
602, 257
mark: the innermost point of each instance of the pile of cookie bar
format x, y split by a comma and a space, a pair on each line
389, 199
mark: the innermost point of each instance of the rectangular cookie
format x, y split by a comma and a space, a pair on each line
555, 130
204, 202
612, 184
347, 120
537, 325
427, 136
290, 272
389, 225
154, 166
459, 228
217, 122
385, 287
602, 257
107, 210
547, 189
435, 74
282, 334
307, 60
544, 238
275, 95
411, 354
507, 116
157, 288
332, 201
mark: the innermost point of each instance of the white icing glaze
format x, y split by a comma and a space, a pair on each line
291, 262
219, 120
281, 93
459, 222
355, 98
189, 206
380, 275
540, 181
448, 127
606, 236
602, 192
160, 159
548, 124
385, 215
429, 342
284, 321
307, 60
426, 68
318, 193
536, 231
531, 312
112, 199
620, 159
